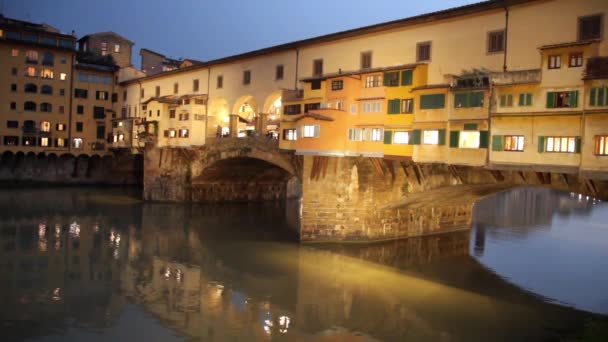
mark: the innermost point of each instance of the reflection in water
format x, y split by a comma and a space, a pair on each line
234, 272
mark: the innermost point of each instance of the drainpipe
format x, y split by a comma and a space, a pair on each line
207, 103
71, 95
295, 86
504, 65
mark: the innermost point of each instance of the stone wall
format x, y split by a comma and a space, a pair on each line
69, 169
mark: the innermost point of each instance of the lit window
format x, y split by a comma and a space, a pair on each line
468, 139
430, 137
77, 143
514, 143
46, 73
311, 131
60, 127
115, 138
45, 126
15, 53
172, 133
289, 134
62, 76
601, 145
561, 144
104, 48
401, 137
116, 48
31, 56
30, 72
183, 133
44, 141
60, 142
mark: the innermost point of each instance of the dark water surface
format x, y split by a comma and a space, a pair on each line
86, 264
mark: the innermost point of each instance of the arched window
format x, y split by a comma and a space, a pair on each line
46, 89
46, 73
48, 58
30, 72
46, 107
29, 106
31, 56
31, 88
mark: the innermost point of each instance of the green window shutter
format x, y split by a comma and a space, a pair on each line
416, 137
541, 144
387, 79
397, 106
522, 99
577, 145
441, 137
497, 142
574, 98
529, 99
476, 99
503, 100
407, 77
454, 137
550, 100
432, 101
601, 96
510, 100
461, 100
593, 96
483, 139
388, 137
470, 127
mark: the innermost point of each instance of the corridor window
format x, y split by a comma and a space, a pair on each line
372, 81
311, 131
317, 67
289, 134
401, 137
561, 144
430, 137
279, 71
601, 145
513, 143
469, 139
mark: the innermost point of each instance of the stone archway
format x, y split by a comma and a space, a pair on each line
247, 109
218, 117
272, 113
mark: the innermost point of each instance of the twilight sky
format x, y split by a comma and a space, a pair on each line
204, 30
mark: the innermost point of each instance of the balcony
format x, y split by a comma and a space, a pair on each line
516, 77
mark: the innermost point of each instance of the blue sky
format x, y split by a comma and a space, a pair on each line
205, 30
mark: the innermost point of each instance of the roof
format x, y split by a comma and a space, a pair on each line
597, 68
96, 67
432, 86
415, 20
107, 33
174, 99
32, 27
359, 72
569, 44
312, 115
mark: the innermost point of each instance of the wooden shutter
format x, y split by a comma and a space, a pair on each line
441, 140
574, 98
166, 133
388, 137
577, 145
483, 139
541, 144
407, 77
454, 137
416, 137
496, 142
550, 100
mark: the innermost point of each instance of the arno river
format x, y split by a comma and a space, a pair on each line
90, 264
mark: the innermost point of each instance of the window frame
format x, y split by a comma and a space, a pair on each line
580, 20
601, 145
550, 62
337, 85
513, 147
366, 59
577, 57
419, 45
490, 41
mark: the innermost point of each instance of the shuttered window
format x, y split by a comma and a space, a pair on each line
432, 101
468, 99
562, 99
394, 106
598, 97
407, 77
525, 99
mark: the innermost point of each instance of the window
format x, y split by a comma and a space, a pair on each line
44, 141
156, 91
311, 131
80, 109
278, 74
289, 134
394, 106
292, 109
562, 99
391, 79
77, 143
13, 105
61, 109
116, 48
48, 59
337, 85
99, 112
63, 60
62, 92
598, 97
590, 27
142, 93
355, 134
401, 137
172, 114
14, 52
432, 101
366, 60
496, 41
30, 88
31, 56
372, 81
423, 52
175, 88
46, 107
220, 82
101, 95
407, 106
576, 60
101, 131
63, 76
12, 124
29, 141
60, 142
45, 126
124, 95
46, 89
104, 48
81, 93
317, 67
506, 100
353, 108
46, 73
247, 77
60, 127
183, 133
195, 85
407, 77
79, 126
371, 107
29, 106
14, 71
560, 144
601, 145
30, 72
469, 139
340, 105
13, 87
525, 99
470, 99
430, 137
311, 106
555, 62
316, 84
514, 143
11, 140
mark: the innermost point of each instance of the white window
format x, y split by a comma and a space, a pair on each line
339, 104
401, 137
172, 133
77, 143
555, 62
469, 139
376, 134
561, 144
116, 48
372, 81
62, 76
121, 137
430, 137
44, 141
289, 134
353, 108
311, 131
371, 107
355, 134
115, 139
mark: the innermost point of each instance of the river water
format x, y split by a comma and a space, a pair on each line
89, 264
